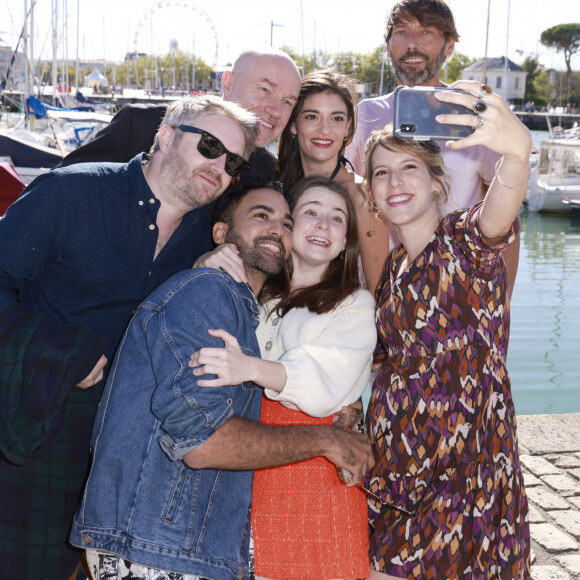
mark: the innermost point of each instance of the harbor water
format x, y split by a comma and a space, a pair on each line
544, 348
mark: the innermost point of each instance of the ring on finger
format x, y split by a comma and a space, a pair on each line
486, 90
479, 122
479, 106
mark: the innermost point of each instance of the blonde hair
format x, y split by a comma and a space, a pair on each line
184, 112
427, 151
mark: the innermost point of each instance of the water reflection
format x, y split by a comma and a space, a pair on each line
545, 331
545, 235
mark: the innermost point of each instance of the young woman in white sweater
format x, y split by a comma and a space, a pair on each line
317, 335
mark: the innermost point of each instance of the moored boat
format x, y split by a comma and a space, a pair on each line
27, 153
11, 185
555, 179
56, 133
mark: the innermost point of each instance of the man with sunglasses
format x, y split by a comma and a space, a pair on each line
266, 83
79, 250
171, 483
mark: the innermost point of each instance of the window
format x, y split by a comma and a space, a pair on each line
517, 82
498, 83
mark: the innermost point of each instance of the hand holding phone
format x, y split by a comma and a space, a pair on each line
415, 109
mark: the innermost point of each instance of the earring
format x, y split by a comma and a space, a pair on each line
293, 135
345, 138
341, 255
374, 211
435, 195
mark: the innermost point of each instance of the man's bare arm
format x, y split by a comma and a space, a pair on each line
241, 444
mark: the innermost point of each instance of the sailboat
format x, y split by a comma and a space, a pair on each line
555, 179
64, 130
60, 130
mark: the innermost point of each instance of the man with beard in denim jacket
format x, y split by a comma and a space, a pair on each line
170, 488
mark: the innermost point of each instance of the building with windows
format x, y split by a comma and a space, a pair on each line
504, 76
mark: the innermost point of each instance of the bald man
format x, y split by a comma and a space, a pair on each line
266, 83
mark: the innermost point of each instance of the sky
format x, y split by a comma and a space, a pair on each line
218, 30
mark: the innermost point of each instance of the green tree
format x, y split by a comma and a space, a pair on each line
364, 68
563, 38
321, 61
161, 72
348, 62
132, 73
530, 65
455, 66
369, 71
542, 88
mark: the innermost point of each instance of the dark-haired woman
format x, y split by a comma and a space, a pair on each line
317, 335
321, 126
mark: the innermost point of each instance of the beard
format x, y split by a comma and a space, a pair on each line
416, 77
186, 186
254, 257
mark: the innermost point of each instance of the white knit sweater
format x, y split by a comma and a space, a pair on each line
327, 356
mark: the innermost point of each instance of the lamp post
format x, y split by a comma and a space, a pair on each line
272, 31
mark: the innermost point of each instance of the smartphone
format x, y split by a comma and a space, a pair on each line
415, 109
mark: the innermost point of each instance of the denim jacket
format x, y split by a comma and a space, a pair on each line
141, 500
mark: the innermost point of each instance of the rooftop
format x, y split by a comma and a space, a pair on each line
495, 64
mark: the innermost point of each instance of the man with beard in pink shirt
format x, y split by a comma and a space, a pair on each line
420, 36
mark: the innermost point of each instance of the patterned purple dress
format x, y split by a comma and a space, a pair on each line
441, 416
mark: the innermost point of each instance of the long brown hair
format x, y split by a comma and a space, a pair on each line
320, 81
341, 276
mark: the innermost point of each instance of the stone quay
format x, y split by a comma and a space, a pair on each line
549, 448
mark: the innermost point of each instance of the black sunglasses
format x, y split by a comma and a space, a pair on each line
211, 148
376, 498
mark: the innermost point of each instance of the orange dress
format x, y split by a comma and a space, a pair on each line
307, 524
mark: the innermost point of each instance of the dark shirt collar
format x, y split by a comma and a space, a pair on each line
144, 196
142, 193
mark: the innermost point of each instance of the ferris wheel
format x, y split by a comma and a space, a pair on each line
169, 25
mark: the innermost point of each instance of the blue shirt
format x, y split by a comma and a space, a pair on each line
141, 500
78, 246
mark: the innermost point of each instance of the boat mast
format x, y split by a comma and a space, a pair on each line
26, 80
26, 45
77, 60
64, 54
54, 49
30, 65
